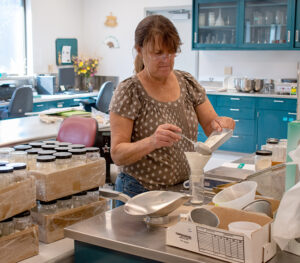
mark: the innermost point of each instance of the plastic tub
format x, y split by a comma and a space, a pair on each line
244, 227
236, 196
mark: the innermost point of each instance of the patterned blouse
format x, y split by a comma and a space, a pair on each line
166, 166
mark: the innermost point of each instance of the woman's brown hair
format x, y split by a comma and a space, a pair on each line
149, 29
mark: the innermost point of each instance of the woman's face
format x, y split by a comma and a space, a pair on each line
158, 61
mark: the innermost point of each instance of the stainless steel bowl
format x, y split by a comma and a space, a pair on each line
204, 216
258, 84
247, 85
260, 206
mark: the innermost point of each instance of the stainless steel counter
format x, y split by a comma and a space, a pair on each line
118, 231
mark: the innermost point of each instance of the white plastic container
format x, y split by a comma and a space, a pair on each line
243, 227
236, 196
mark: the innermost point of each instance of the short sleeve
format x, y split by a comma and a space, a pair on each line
126, 99
195, 91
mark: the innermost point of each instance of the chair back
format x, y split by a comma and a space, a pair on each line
21, 102
78, 130
104, 96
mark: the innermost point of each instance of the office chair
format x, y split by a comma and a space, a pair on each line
20, 103
79, 130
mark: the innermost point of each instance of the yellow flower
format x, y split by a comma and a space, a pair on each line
88, 68
80, 64
93, 65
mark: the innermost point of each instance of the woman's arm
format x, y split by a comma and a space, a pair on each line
209, 119
124, 152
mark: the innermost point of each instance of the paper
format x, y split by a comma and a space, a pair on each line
66, 54
243, 166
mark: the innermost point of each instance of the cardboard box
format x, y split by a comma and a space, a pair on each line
220, 242
51, 186
20, 245
17, 197
51, 227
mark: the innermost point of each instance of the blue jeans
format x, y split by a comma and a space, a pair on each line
128, 185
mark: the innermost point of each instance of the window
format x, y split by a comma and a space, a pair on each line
12, 37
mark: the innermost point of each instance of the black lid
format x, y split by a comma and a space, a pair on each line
273, 141
77, 151
65, 197
49, 146
62, 149
46, 152
263, 152
7, 219
22, 147
48, 202
25, 213
51, 142
64, 144
17, 166
289, 80
3, 163
80, 193
92, 149
36, 144
45, 158
6, 169
33, 151
63, 155
93, 189
77, 146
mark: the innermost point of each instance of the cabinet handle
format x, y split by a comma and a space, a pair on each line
297, 36
60, 105
195, 37
289, 36
235, 136
39, 105
236, 120
278, 101
292, 113
235, 99
234, 109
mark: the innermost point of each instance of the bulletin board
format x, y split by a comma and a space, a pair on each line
65, 49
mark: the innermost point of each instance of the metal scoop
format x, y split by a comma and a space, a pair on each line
199, 147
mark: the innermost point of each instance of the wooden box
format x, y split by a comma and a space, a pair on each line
19, 246
51, 227
51, 186
17, 197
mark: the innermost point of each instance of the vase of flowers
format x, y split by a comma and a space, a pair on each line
86, 68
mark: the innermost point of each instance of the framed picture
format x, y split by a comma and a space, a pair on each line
66, 49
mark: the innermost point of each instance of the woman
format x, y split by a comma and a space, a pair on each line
150, 110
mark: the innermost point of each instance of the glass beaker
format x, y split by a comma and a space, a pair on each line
197, 186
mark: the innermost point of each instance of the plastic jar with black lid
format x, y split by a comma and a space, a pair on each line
18, 157
3, 163
22, 147
46, 152
92, 154
49, 207
50, 142
20, 171
263, 159
78, 156
93, 195
77, 146
80, 199
6, 176
5, 153
31, 158
64, 144
62, 149
65, 203
22, 221
45, 163
7, 227
36, 144
63, 160
49, 146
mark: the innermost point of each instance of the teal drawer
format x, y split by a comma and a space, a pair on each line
277, 104
244, 127
235, 101
237, 112
213, 100
240, 143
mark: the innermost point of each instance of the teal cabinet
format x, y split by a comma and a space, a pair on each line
246, 24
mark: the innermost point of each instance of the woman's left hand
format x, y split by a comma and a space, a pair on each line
222, 122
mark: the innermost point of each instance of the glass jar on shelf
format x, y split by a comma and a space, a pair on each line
6, 176
22, 221
22, 147
49, 146
5, 153
64, 144
20, 171
46, 152
3, 163
63, 160
263, 159
78, 156
36, 144
92, 154
93, 195
77, 146
64, 203
80, 199
62, 149
31, 158
50, 142
49, 207
7, 227
18, 157
45, 163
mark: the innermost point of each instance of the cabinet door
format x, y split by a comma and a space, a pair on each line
297, 26
267, 24
215, 24
273, 124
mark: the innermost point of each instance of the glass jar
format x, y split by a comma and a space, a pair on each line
22, 221
46, 152
263, 159
49, 207
93, 195
31, 158
22, 147
7, 226
78, 156
20, 171
64, 203
18, 157
50, 142
92, 154
64, 144
36, 144
80, 199
62, 149
6, 176
272, 145
5, 153
196, 183
49, 146
63, 160
3, 163
46, 163
77, 146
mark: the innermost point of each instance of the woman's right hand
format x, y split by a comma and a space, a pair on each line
165, 135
